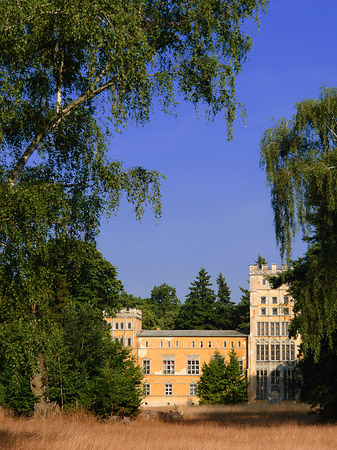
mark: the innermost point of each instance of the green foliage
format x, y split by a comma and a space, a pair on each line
224, 308
242, 311
198, 310
166, 305
318, 379
300, 159
222, 383
260, 261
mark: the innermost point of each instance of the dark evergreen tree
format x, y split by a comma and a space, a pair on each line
224, 307
260, 261
198, 311
222, 383
242, 311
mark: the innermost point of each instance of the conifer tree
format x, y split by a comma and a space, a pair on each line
224, 307
222, 383
198, 311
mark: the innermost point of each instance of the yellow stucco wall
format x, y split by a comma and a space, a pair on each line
181, 348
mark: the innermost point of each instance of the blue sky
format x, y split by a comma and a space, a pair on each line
216, 207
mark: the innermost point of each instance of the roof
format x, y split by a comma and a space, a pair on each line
191, 333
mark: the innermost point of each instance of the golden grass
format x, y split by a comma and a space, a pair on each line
254, 427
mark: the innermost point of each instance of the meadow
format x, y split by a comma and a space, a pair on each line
202, 428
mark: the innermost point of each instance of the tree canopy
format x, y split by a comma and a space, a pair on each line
300, 159
221, 382
198, 310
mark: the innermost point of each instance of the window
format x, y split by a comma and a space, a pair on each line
168, 344
122, 326
161, 344
146, 388
116, 325
275, 376
263, 281
129, 325
275, 352
274, 311
201, 344
177, 344
263, 311
240, 366
285, 300
129, 342
285, 328
193, 344
209, 344
289, 383
168, 389
232, 344
168, 365
146, 366
262, 328
277, 328
193, 365
262, 352
193, 389
286, 311
274, 300
261, 384
239, 344
263, 300
225, 344
146, 343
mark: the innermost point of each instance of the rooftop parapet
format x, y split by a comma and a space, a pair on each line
133, 313
254, 269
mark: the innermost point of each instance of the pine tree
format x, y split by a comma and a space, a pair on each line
222, 383
198, 311
224, 307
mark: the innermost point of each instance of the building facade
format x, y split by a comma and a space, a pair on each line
273, 355
171, 360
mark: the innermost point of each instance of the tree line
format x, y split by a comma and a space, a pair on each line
203, 309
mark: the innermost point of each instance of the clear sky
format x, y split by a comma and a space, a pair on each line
216, 207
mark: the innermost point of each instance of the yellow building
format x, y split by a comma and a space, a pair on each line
171, 360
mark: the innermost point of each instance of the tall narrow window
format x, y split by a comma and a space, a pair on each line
177, 344
209, 344
146, 366
274, 300
274, 311
201, 344
116, 325
277, 328
261, 384
193, 344
263, 311
263, 300
146, 343
129, 325
146, 388
122, 326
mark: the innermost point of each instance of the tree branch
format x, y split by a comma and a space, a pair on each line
55, 121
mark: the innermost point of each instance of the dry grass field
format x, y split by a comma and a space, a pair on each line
202, 428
